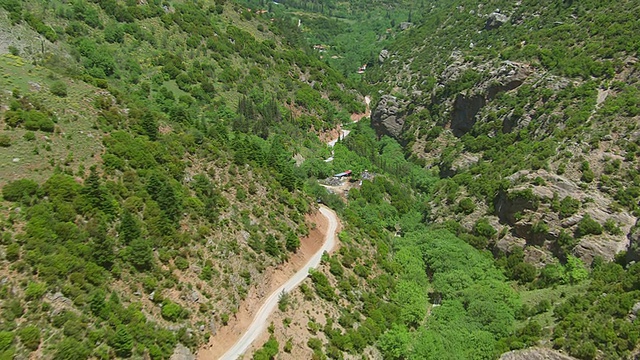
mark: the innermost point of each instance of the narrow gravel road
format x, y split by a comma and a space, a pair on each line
259, 322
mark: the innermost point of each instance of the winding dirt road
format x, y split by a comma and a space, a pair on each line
259, 322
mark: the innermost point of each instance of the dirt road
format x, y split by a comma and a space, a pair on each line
259, 322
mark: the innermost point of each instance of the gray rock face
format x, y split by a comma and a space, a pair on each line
405, 25
495, 20
633, 252
508, 76
384, 55
388, 116
535, 354
465, 109
532, 211
182, 352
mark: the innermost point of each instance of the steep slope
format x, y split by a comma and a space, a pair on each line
530, 110
148, 178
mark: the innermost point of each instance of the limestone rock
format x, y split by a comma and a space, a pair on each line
405, 25
535, 354
495, 20
509, 242
182, 352
384, 55
633, 251
508, 76
388, 116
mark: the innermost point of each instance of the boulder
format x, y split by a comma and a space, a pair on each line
495, 20
388, 116
405, 25
384, 55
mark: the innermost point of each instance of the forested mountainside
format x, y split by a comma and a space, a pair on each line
147, 173
161, 158
530, 111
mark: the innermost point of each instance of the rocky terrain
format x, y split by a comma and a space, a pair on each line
456, 116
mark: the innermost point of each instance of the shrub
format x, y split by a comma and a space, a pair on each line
181, 263
587, 176
6, 340
5, 140
588, 226
466, 206
17, 190
172, 311
34, 290
483, 228
59, 88
224, 318
566, 207
612, 228
12, 252
30, 337
29, 136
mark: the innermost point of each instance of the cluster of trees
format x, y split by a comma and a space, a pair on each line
596, 323
29, 113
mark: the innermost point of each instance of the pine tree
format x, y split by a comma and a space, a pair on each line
123, 342
97, 305
271, 246
149, 125
129, 229
141, 255
292, 242
102, 251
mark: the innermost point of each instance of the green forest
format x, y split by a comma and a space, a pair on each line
161, 160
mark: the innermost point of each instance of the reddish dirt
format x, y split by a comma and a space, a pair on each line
228, 335
329, 135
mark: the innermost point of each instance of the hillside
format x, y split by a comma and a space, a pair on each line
529, 110
147, 172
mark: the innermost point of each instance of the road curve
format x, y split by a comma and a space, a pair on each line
259, 322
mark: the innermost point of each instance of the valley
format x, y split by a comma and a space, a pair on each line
319, 180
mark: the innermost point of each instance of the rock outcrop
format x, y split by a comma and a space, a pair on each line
495, 20
633, 251
508, 76
405, 25
535, 354
388, 116
384, 55
465, 109
182, 352
525, 205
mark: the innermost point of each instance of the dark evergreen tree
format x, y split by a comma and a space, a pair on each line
140, 254
292, 242
129, 228
271, 246
149, 125
123, 342
102, 251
